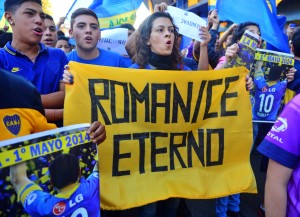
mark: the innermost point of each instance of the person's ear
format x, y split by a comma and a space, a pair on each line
71, 33
8, 17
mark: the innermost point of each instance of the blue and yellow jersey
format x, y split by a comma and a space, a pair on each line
21, 110
82, 200
267, 99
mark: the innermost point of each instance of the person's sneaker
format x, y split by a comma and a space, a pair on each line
261, 212
234, 214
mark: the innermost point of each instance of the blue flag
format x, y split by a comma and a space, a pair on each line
256, 11
112, 14
1, 9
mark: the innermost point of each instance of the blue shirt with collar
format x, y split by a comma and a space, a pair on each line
45, 73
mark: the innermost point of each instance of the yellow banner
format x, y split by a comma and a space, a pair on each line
169, 133
117, 20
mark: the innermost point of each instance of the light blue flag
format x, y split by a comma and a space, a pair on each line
113, 13
2, 18
256, 11
1, 9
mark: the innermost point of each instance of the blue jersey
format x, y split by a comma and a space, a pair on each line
105, 58
45, 73
267, 99
82, 201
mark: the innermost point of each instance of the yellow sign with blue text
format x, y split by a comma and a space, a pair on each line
117, 20
15, 154
185, 134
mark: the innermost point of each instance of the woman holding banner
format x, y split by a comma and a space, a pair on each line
156, 49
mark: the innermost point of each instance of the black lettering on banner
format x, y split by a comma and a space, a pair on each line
95, 99
198, 148
220, 133
226, 95
141, 97
174, 149
141, 137
113, 105
117, 156
178, 101
209, 97
155, 104
155, 151
198, 103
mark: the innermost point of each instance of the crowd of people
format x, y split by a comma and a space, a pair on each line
34, 71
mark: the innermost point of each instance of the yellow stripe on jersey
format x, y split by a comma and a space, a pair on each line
26, 189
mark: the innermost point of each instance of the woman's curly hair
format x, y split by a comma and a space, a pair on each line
143, 50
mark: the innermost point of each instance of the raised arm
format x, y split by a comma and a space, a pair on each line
203, 58
18, 176
228, 32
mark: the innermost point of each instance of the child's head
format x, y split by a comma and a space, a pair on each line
275, 72
64, 170
63, 44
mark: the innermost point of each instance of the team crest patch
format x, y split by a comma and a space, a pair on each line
12, 123
59, 208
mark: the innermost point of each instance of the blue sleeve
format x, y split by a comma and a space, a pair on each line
278, 154
92, 182
213, 39
213, 56
2, 58
260, 82
32, 198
